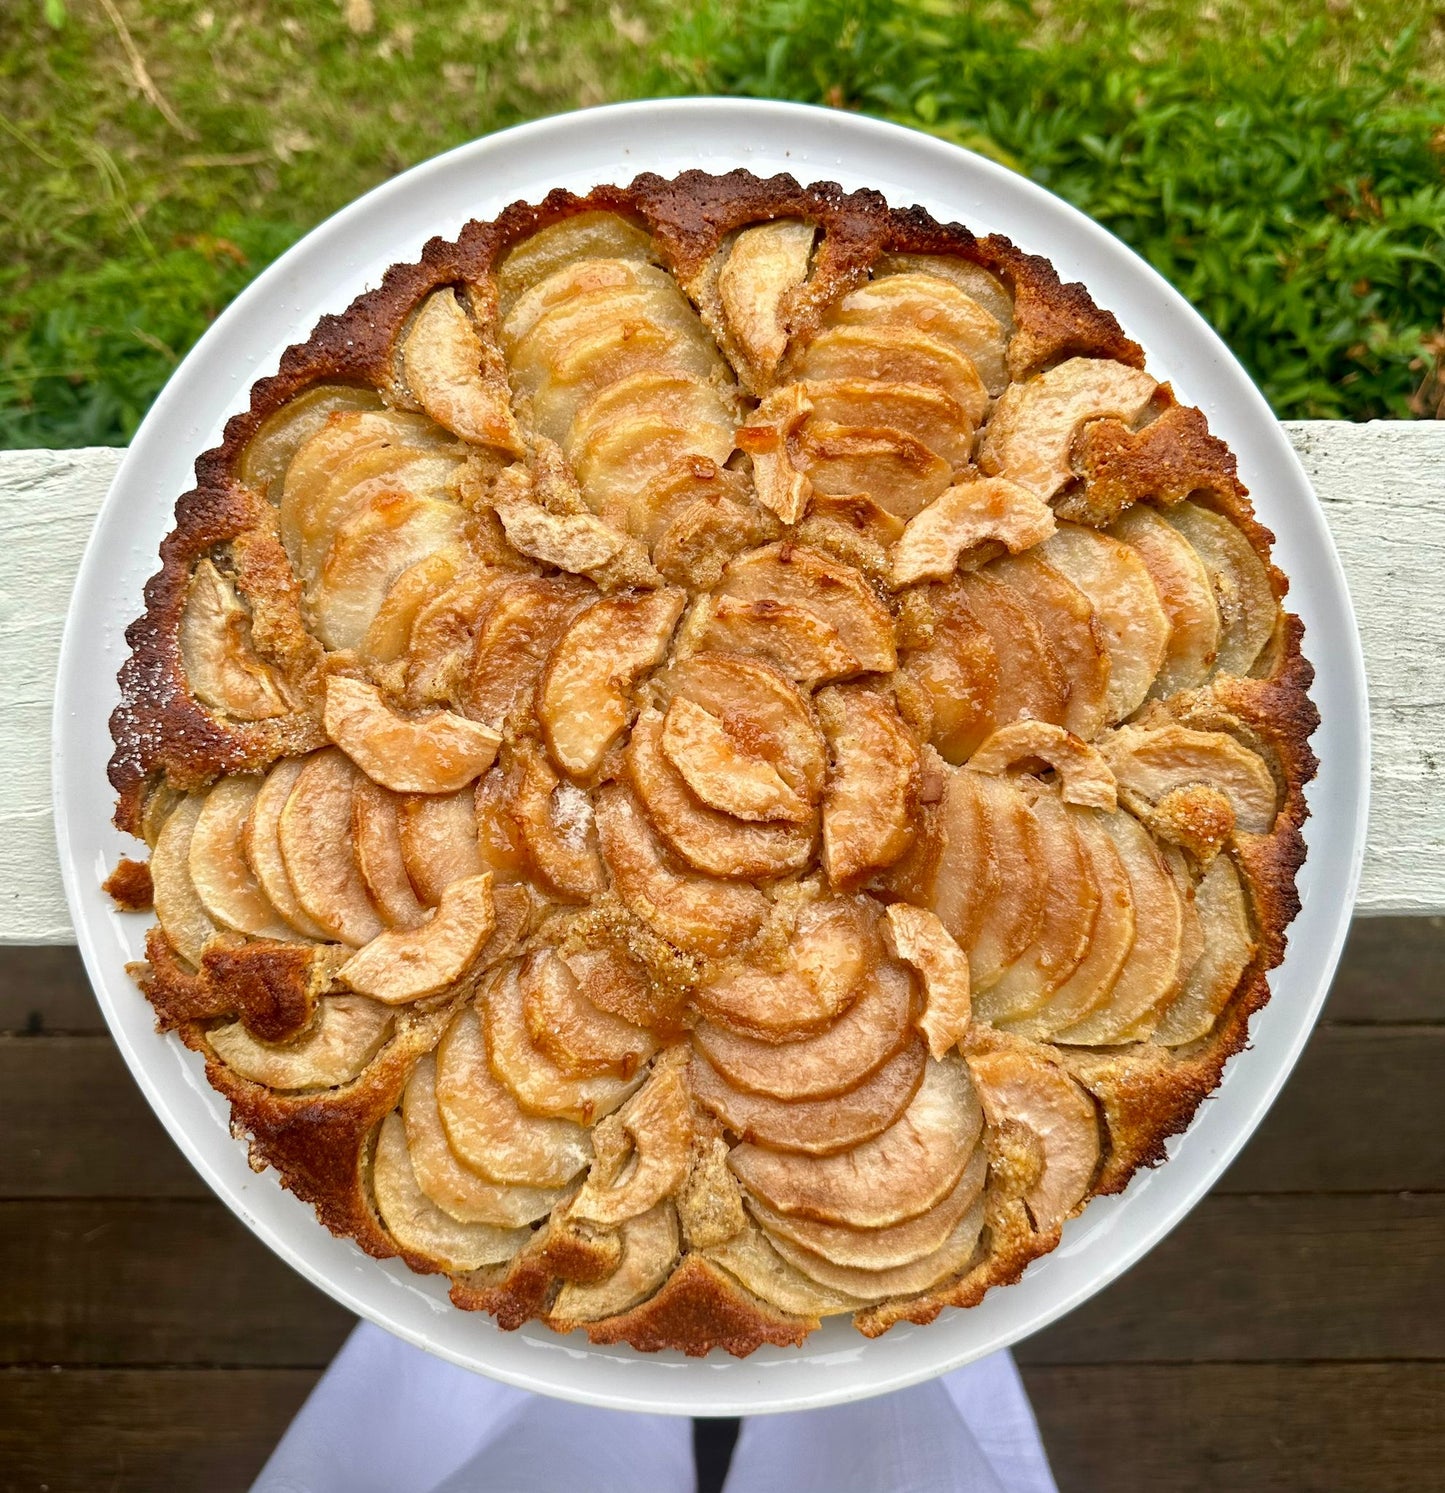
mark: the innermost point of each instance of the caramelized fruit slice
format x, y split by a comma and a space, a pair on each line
649, 1250
346, 1032
516, 633
579, 1037
961, 881
261, 841
720, 771
965, 524
896, 355
764, 263
442, 358
183, 916
220, 664
762, 1270
1030, 680
1229, 947
282, 433
972, 279
1018, 886
488, 1129
958, 670
1084, 776
410, 595
899, 474
376, 833
553, 825
594, 235
918, 937
930, 416
897, 1175
226, 885
439, 841
1248, 610
798, 643
1150, 763
580, 277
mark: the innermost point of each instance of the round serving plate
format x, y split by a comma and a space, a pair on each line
347, 255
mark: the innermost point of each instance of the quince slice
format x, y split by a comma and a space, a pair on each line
226, 885
220, 664
433, 754
260, 839
346, 1032
893, 354
585, 696
455, 1188
1133, 626
376, 833
919, 938
722, 773
765, 263
1248, 608
1030, 434
1152, 762
872, 792
817, 1126
486, 1127
1229, 947
905, 1171
439, 841
441, 358
1184, 588
406, 964
649, 1251
798, 643
968, 522
833, 1061
1084, 776
579, 1037
695, 913
418, 1225
1031, 1091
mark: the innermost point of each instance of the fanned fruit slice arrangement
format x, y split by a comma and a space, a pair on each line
713, 755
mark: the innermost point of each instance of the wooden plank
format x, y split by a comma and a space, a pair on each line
45, 990
165, 1283
1249, 1279
1267, 1428
48, 500
141, 1430
1392, 969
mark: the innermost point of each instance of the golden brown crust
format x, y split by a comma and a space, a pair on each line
129, 885
168, 742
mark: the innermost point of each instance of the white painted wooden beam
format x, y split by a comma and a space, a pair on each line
1383, 490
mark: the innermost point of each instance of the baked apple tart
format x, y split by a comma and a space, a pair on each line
713, 755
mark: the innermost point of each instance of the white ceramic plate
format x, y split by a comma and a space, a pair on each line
347, 255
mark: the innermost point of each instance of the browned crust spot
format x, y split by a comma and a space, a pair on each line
129, 885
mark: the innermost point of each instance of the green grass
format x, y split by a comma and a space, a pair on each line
1287, 178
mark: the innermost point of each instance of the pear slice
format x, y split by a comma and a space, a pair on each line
376, 834
698, 518
1248, 609
889, 1248
1039, 1095
441, 357
629, 471
952, 1257
1030, 681
418, 1225
764, 264
389, 635
1133, 625
486, 1127
625, 295
579, 1037
1229, 947
644, 1152
1084, 776
1151, 972
539, 1085
1011, 916
580, 543
972, 279
260, 839
406, 964
708, 839
442, 632
217, 656
513, 638
896, 355
720, 771
183, 916
960, 522
1109, 945
346, 1032
1071, 908
439, 844
762, 1270
226, 885
831, 950
918, 938
455, 1188
696, 913
961, 883
1151, 763
898, 473
433, 754
927, 414
935, 306
553, 823
650, 1243
1188, 597
1030, 434
267, 455
608, 436
587, 236
872, 794
897, 1175
819, 1127
837, 593
835, 1060
314, 832
582, 277
958, 670
585, 697
798, 643
771, 439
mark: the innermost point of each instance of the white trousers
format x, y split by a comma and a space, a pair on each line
388, 1418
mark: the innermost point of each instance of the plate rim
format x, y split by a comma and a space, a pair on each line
695, 1386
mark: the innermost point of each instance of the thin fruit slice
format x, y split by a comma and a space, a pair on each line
1039, 1095
453, 1187
958, 670
762, 1270
514, 637
899, 474
553, 824
418, 1225
1018, 890
183, 916
896, 355
972, 279
1229, 947
961, 522
1084, 776
1248, 609
765, 262
649, 1250
281, 434
928, 415
376, 833
1133, 625
488, 1129
593, 235
720, 771
226, 885
314, 831
439, 843
262, 845
585, 699
346, 1032
220, 662
406, 964
1151, 763
797, 642
963, 877
410, 594
920, 939
837, 1059
432, 754
441, 357
899, 1174
1030, 681
579, 1037
817, 1126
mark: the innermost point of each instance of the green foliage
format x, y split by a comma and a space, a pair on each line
1295, 197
